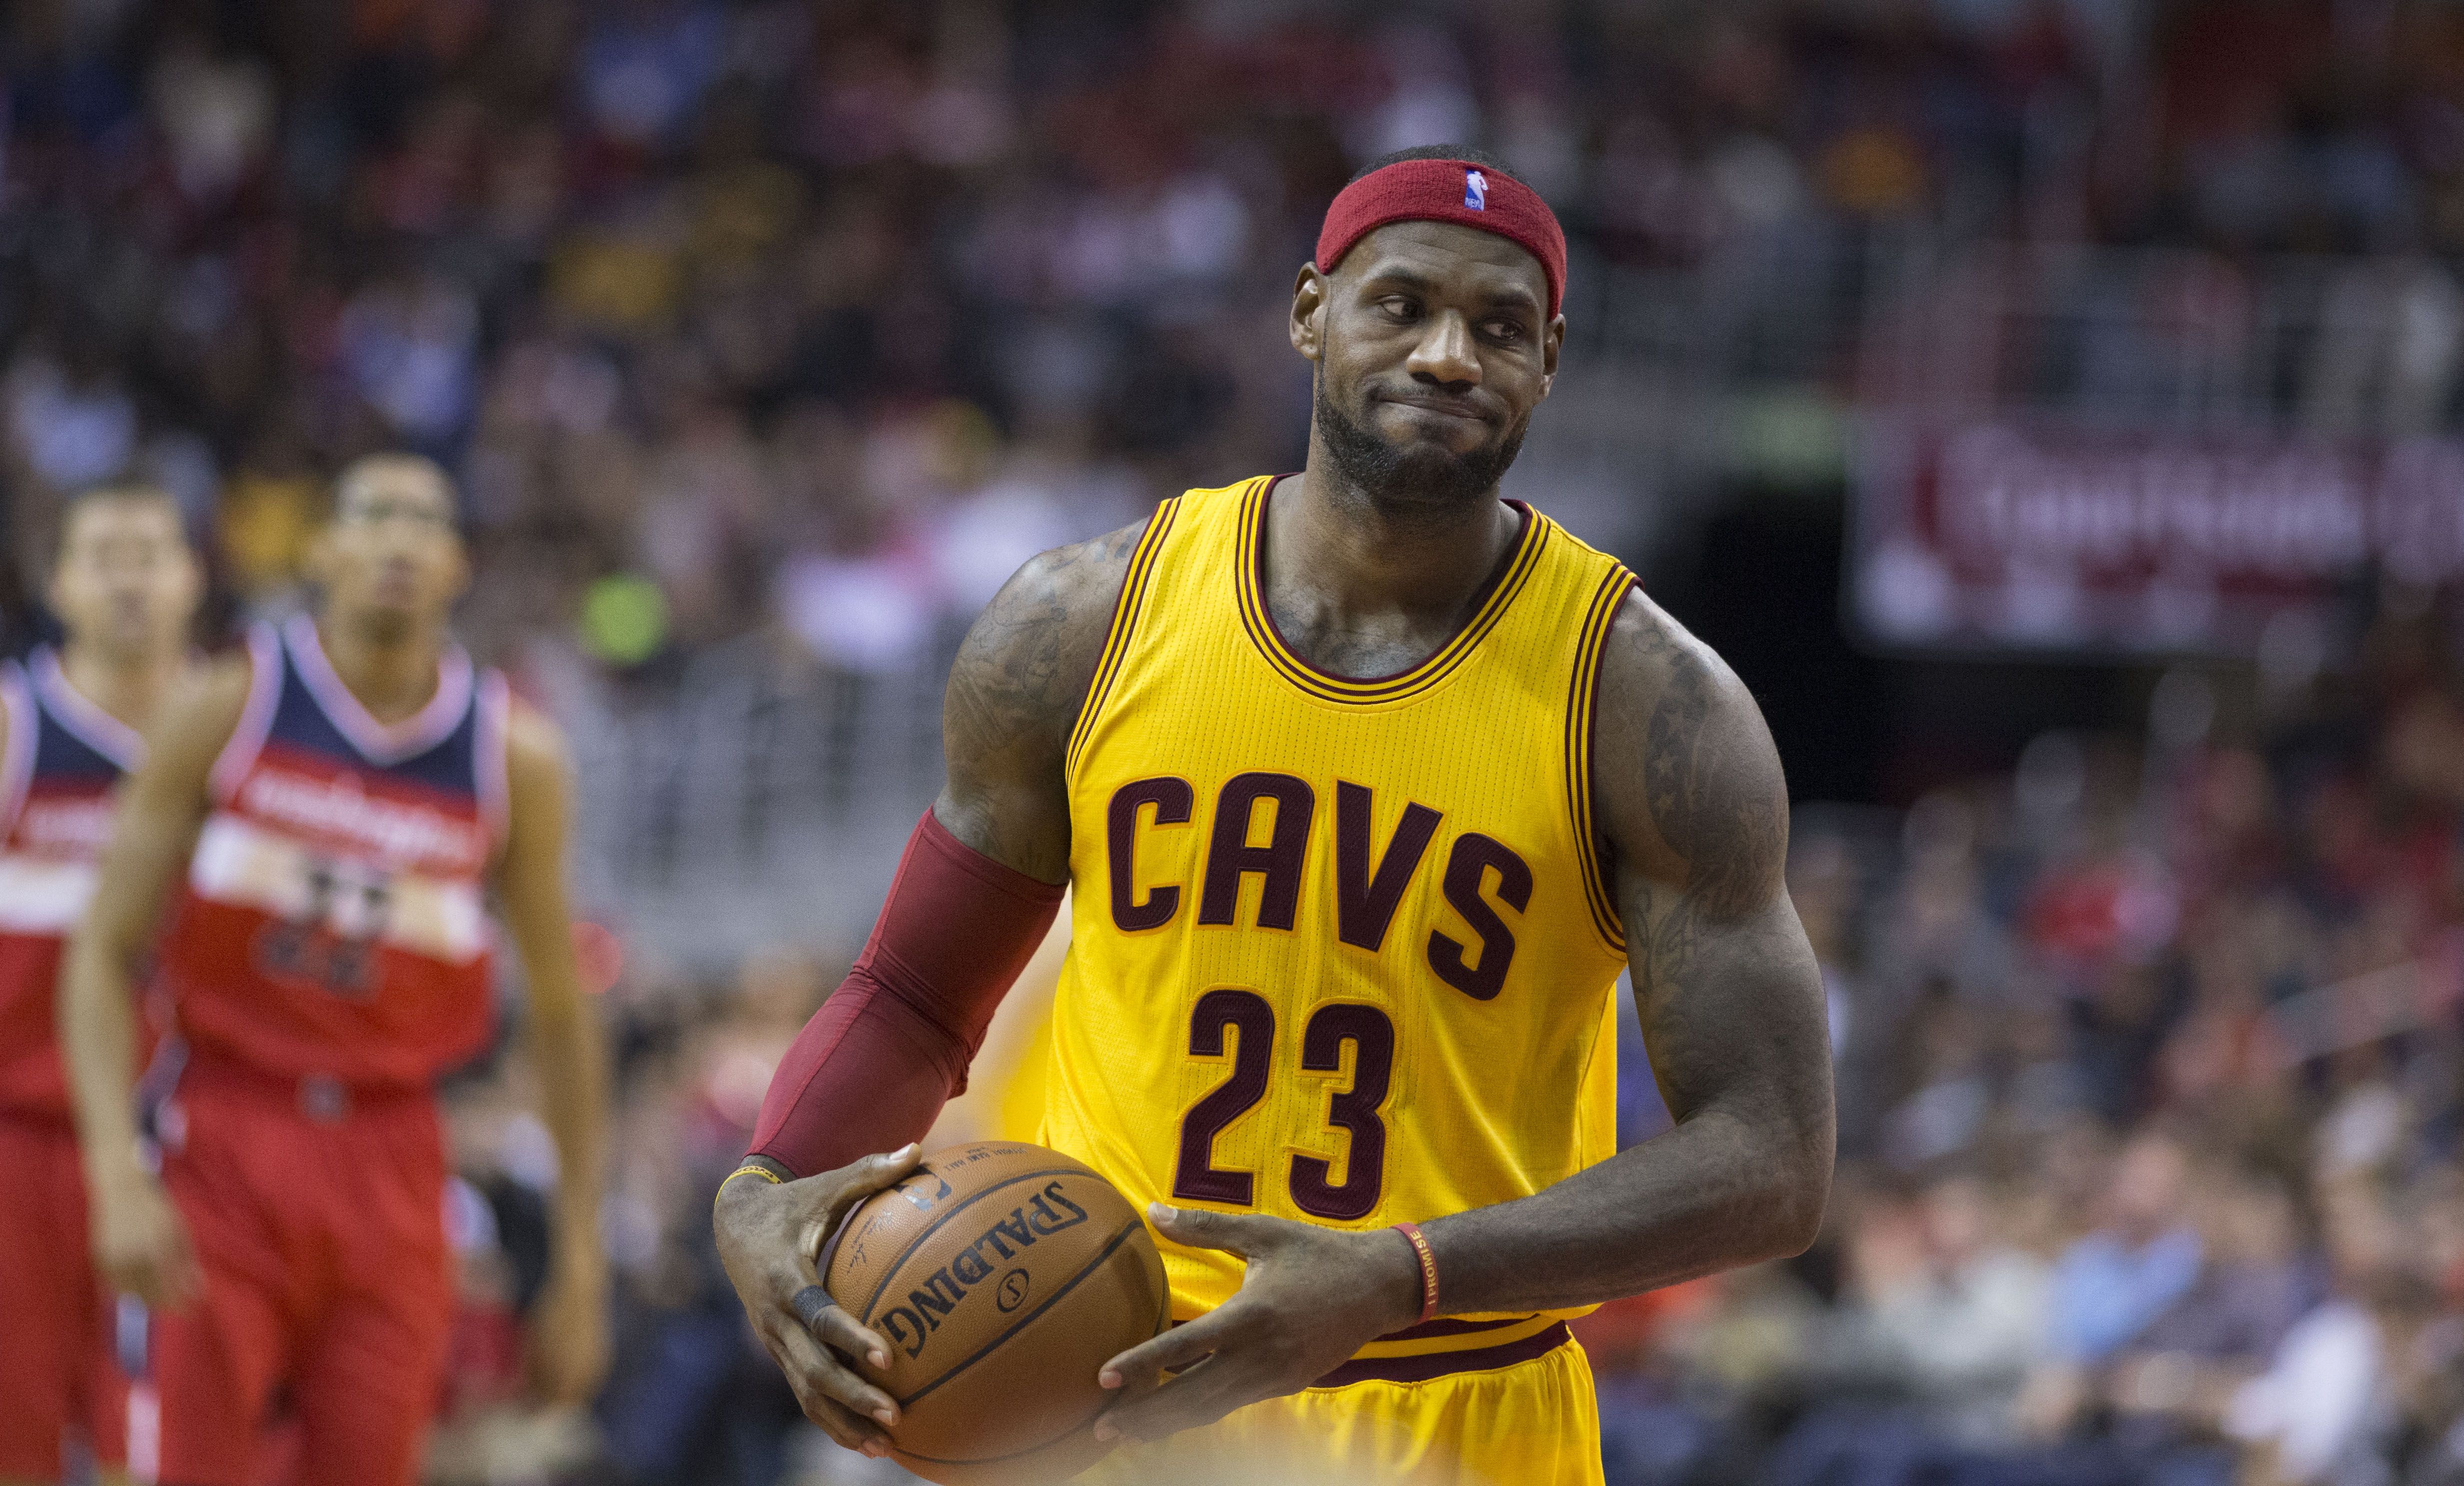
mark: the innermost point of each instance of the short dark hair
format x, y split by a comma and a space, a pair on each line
1463, 152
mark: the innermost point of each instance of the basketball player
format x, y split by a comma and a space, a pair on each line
340, 798
1369, 784
123, 589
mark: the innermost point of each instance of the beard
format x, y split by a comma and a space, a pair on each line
1418, 481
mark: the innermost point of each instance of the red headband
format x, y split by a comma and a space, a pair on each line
1446, 190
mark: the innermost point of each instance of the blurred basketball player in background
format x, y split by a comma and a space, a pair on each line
326, 814
1368, 783
123, 589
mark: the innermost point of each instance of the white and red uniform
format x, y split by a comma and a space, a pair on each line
328, 958
62, 758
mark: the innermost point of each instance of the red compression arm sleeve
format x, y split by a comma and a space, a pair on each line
872, 1067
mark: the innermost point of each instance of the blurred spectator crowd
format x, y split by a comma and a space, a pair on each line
808, 319
816, 314
2151, 1069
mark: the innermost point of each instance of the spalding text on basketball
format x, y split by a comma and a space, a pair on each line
912, 1324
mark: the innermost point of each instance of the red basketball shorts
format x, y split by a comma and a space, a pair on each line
56, 1375
318, 1216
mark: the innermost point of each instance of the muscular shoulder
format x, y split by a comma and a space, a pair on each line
1014, 694
1028, 660
1683, 767
535, 751
537, 767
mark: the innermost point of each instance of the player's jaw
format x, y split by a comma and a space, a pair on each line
392, 597
1412, 447
389, 581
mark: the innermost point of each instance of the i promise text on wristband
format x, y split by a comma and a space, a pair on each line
1428, 1258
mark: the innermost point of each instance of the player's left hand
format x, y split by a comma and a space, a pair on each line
568, 1334
1312, 1297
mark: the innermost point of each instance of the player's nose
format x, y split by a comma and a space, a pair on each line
1444, 353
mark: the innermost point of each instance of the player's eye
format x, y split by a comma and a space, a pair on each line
1400, 307
1505, 330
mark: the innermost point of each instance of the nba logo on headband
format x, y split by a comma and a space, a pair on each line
1461, 191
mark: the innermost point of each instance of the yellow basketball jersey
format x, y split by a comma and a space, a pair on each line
1340, 950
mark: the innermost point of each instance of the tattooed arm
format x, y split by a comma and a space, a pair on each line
1690, 794
1014, 695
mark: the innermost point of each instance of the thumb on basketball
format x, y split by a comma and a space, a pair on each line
838, 1193
841, 1190
877, 1171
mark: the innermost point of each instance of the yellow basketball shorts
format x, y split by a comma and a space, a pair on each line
1532, 1423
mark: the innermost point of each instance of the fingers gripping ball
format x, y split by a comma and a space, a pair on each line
1002, 1276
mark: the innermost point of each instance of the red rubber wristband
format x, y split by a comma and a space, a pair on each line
1428, 1258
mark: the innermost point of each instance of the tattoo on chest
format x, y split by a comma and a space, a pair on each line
1357, 657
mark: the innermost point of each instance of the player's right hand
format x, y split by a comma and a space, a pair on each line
770, 1238
141, 1244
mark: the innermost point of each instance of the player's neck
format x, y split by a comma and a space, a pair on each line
1355, 562
392, 676
125, 687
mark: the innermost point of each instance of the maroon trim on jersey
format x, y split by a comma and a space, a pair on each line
1486, 608
1127, 605
1422, 1367
255, 718
1582, 709
87, 722
17, 749
384, 743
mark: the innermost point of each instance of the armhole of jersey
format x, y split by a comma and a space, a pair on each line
1125, 622
494, 739
255, 718
18, 750
1590, 648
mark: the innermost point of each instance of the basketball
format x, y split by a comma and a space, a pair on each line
1002, 1276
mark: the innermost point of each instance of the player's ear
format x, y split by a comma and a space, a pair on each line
1552, 342
1309, 295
